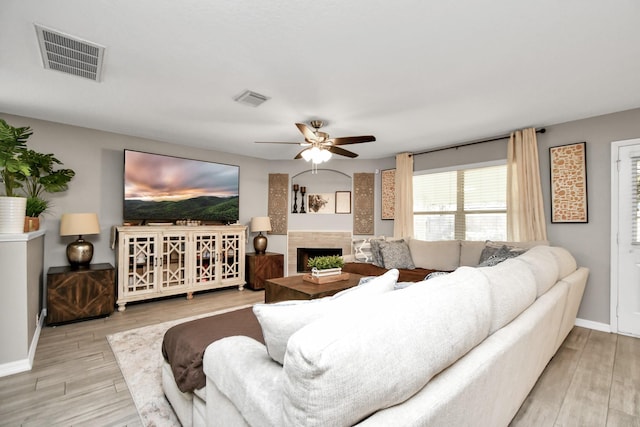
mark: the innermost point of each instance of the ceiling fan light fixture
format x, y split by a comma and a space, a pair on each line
316, 155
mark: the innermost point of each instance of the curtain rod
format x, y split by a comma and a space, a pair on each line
495, 138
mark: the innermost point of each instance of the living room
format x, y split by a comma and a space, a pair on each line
94, 149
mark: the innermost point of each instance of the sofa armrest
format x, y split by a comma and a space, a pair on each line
244, 373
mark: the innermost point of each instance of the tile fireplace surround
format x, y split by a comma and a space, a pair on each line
315, 239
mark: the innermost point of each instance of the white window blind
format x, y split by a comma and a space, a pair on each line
468, 204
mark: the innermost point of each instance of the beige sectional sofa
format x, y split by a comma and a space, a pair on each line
426, 256
459, 349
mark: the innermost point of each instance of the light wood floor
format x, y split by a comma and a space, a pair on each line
594, 379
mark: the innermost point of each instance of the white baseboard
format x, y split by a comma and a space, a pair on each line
596, 326
23, 365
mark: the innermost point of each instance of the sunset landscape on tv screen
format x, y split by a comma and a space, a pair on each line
165, 188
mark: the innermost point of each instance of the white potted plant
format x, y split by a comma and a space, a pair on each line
327, 265
12, 169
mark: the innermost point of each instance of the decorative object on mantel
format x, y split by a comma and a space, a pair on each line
303, 191
12, 168
260, 224
568, 183
278, 209
343, 202
296, 187
363, 203
388, 179
79, 252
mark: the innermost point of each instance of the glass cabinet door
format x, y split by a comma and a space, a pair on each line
140, 263
230, 256
205, 252
173, 267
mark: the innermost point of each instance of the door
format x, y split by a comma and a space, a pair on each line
628, 239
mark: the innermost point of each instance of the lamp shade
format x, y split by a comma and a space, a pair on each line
260, 223
78, 224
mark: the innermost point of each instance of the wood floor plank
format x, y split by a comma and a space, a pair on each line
587, 399
625, 389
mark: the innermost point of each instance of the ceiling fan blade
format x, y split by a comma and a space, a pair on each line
341, 151
308, 133
276, 142
353, 139
299, 155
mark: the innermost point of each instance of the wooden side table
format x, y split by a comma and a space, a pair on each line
75, 294
260, 267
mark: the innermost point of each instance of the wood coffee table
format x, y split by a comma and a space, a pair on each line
293, 287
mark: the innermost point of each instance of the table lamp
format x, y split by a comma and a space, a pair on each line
79, 252
260, 224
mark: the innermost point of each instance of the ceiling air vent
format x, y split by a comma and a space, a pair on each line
251, 98
70, 55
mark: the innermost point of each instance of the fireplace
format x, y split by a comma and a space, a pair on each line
303, 255
314, 239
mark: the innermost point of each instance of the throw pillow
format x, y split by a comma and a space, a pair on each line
490, 249
376, 256
502, 254
281, 320
396, 255
362, 250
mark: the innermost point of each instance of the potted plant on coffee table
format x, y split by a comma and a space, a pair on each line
327, 265
42, 178
12, 170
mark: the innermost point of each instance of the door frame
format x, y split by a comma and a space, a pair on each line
615, 226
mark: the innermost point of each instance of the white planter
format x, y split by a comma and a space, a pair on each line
325, 272
12, 213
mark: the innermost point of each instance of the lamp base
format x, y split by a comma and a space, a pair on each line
260, 243
79, 253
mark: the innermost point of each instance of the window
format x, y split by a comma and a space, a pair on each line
466, 204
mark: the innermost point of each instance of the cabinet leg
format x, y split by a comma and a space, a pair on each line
121, 306
241, 287
189, 295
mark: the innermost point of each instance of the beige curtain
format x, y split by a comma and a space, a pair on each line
525, 207
403, 220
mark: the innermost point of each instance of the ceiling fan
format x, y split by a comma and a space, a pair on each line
318, 146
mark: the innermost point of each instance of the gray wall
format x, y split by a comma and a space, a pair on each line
590, 242
97, 158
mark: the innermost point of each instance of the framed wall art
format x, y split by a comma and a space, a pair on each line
388, 178
343, 202
321, 203
569, 183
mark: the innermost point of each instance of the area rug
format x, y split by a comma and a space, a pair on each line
139, 355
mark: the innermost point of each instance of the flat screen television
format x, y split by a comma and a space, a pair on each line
161, 188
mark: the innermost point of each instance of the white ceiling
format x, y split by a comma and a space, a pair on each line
415, 73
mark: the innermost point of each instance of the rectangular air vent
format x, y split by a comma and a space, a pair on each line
69, 54
251, 98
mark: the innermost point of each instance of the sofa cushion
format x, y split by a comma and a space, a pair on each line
339, 370
513, 289
281, 320
470, 251
396, 254
566, 262
544, 267
441, 255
